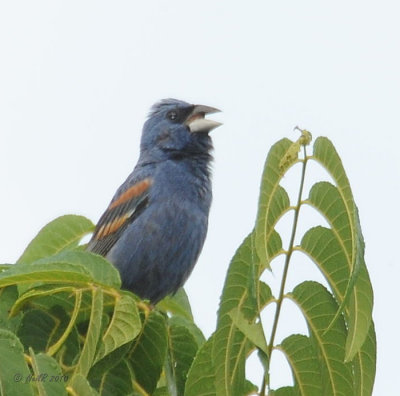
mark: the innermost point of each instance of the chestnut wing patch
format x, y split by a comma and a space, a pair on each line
121, 212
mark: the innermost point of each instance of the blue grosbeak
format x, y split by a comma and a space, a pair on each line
155, 226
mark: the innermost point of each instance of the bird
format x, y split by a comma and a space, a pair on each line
155, 226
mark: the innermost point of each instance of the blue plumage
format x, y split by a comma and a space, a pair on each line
156, 224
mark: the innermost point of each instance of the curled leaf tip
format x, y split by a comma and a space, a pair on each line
292, 153
290, 156
305, 138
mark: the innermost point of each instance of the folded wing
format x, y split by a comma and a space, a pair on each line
123, 210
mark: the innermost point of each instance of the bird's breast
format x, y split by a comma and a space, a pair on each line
182, 185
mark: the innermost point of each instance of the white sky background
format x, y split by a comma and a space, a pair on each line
77, 79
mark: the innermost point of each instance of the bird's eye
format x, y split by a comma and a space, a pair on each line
172, 115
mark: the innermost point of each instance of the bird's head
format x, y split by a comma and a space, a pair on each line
176, 128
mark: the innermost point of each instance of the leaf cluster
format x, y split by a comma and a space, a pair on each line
66, 327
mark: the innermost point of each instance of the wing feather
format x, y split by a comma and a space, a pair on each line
123, 209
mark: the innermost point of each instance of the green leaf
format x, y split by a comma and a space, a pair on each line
178, 304
304, 364
285, 391
62, 233
101, 270
359, 313
163, 391
46, 296
37, 328
182, 350
51, 380
124, 326
365, 365
231, 346
100, 369
319, 308
8, 296
322, 245
360, 309
69, 327
250, 388
70, 351
273, 203
42, 291
45, 330
253, 331
76, 267
149, 350
117, 381
51, 272
326, 154
4, 267
201, 376
291, 156
79, 386
190, 326
87, 356
14, 372
326, 198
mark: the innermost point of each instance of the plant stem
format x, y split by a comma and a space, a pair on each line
289, 252
55, 347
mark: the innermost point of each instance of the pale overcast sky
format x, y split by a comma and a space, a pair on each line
77, 79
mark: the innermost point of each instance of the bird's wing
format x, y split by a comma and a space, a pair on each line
123, 209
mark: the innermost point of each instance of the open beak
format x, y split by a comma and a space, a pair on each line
197, 122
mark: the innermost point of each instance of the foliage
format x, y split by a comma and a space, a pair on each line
66, 328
